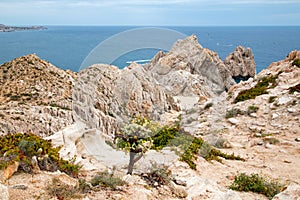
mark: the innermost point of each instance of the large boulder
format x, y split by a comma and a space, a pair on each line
241, 63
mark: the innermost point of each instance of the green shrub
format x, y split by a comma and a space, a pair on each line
158, 175
14, 98
256, 183
60, 190
259, 89
199, 146
107, 180
134, 138
252, 109
163, 137
233, 113
22, 147
271, 140
272, 99
208, 105
295, 88
296, 62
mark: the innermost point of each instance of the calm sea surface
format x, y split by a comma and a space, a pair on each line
68, 46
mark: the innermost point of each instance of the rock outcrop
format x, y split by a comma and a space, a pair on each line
35, 96
190, 70
241, 63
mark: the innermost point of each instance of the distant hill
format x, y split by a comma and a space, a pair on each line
5, 28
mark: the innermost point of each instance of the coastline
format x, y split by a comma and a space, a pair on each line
5, 28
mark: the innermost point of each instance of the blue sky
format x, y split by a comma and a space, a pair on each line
151, 12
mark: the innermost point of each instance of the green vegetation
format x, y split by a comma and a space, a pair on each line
158, 175
233, 113
260, 88
272, 99
252, 109
164, 135
295, 88
14, 98
199, 147
107, 180
271, 140
143, 134
296, 62
58, 106
60, 190
22, 147
256, 183
208, 105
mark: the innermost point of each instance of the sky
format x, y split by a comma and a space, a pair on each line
151, 12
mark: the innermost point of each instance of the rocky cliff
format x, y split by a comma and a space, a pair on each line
35, 96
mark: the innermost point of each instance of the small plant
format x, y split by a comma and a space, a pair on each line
296, 62
259, 89
107, 180
159, 175
58, 106
271, 140
296, 88
22, 147
198, 146
272, 99
233, 113
60, 190
252, 109
14, 98
256, 183
208, 105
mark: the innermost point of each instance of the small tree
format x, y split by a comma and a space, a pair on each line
136, 138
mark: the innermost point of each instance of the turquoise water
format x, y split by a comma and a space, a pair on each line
67, 46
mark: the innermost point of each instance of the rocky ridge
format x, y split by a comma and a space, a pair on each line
35, 96
105, 95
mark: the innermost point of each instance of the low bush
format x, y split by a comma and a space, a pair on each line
256, 183
295, 88
296, 62
200, 147
107, 180
233, 113
158, 175
208, 105
252, 109
259, 89
22, 147
272, 99
60, 190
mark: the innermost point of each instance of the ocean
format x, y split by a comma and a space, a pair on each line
68, 46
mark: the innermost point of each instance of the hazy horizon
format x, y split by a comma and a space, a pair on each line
150, 12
